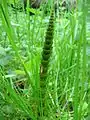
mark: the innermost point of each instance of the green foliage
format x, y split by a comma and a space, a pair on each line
23, 47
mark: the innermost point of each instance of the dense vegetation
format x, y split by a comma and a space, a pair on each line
44, 61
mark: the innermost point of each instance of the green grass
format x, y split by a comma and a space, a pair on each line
21, 45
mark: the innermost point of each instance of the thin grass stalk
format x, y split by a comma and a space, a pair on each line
77, 75
88, 55
76, 90
83, 59
16, 15
28, 37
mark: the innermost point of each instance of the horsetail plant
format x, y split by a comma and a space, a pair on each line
46, 53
